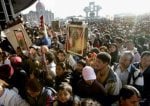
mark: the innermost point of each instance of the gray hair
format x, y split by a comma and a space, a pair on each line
129, 54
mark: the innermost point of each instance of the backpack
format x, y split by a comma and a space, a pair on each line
131, 73
51, 91
46, 97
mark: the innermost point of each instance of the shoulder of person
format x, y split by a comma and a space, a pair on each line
14, 99
114, 66
134, 69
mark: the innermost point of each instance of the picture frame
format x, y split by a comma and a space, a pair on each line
56, 26
21, 39
76, 39
11, 36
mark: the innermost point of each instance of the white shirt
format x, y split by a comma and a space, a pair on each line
11, 98
123, 75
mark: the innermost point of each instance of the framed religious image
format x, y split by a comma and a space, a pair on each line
75, 39
56, 26
17, 36
21, 39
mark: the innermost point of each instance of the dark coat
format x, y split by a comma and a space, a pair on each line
146, 76
66, 77
93, 91
44, 99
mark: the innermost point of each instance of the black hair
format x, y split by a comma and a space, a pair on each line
119, 39
82, 62
34, 85
50, 56
145, 53
61, 51
95, 49
65, 86
104, 57
128, 91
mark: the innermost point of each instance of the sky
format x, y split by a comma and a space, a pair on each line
64, 8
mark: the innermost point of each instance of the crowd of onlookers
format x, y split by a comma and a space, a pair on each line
113, 71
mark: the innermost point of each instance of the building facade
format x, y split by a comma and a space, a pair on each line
33, 17
92, 11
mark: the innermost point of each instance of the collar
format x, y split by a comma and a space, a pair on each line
129, 68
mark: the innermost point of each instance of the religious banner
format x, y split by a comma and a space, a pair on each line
56, 26
76, 39
18, 37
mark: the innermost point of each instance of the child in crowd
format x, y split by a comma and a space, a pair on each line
37, 95
62, 75
89, 102
64, 96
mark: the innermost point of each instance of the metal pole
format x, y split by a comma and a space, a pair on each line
11, 8
5, 10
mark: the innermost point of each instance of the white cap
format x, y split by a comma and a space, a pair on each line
88, 73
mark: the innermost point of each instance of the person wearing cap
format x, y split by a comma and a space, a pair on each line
89, 87
19, 77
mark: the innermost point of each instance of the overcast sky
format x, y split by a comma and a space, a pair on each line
64, 8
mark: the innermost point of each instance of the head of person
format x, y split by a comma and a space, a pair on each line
129, 45
60, 69
103, 49
103, 60
49, 57
88, 74
89, 102
113, 48
129, 96
18, 50
145, 59
32, 51
55, 39
119, 41
64, 92
80, 65
126, 59
6, 71
33, 87
44, 49
95, 50
16, 61
61, 55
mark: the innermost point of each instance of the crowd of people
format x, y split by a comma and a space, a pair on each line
113, 71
